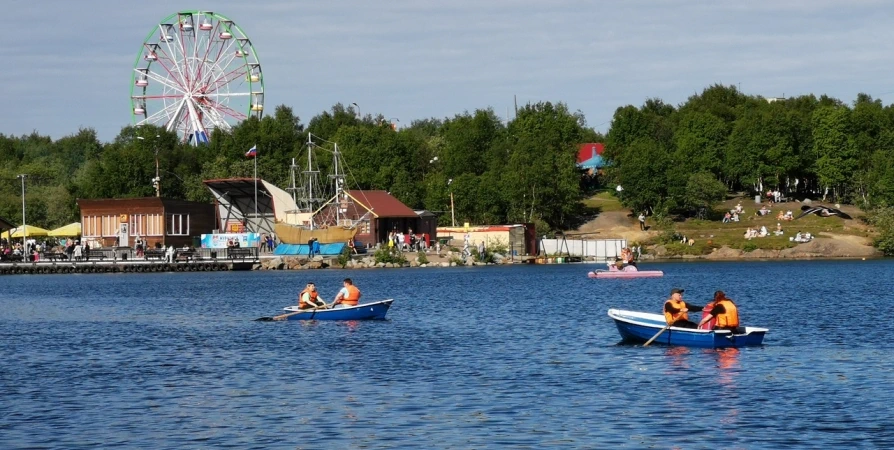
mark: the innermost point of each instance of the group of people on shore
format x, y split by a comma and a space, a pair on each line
720, 313
348, 296
32, 251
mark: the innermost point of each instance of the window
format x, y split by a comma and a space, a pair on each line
178, 224
145, 225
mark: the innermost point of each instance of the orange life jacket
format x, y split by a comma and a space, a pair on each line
730, 316
706, 312
313, 298
671, 318
353, 296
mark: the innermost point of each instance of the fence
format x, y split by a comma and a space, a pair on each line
598, 249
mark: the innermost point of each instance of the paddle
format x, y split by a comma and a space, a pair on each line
287, 315
656, 336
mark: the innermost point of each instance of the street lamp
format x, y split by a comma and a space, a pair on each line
452, 214
157, 180
393, 124
24, 228
360, 117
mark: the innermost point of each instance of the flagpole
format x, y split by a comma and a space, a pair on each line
256, 190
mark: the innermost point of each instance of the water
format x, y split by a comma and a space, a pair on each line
519, 357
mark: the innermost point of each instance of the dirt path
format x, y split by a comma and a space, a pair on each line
613, 225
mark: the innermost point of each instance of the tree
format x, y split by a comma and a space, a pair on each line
834, 148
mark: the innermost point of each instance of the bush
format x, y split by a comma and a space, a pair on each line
344, 257
421, 258
883, 220
384, 255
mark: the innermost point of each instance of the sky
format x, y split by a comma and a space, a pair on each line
67, 65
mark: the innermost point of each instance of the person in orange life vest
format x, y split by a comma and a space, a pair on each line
708, 321
723, 313
348, 295
310, 298
675, 310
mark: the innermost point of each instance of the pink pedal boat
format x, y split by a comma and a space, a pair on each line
625, 274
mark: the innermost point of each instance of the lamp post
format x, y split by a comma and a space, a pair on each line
452, 214
24, 228
157, 180
359, 116
393, 124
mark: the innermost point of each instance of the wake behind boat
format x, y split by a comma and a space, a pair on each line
640, 327
364, 311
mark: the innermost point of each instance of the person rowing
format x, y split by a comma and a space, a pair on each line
675, 310
348, 296
309, 298
723, 313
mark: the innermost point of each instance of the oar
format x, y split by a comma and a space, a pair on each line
656, 336
287, 315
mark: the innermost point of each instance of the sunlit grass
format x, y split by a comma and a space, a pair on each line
605, 201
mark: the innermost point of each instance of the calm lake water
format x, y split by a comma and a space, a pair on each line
517, 357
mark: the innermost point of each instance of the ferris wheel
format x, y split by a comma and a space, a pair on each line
196, 71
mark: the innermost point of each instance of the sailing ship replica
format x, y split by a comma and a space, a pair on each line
327, 221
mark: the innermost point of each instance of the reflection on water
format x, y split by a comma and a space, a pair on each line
469, 358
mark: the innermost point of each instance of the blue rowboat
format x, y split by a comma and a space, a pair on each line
640, 327
363, 311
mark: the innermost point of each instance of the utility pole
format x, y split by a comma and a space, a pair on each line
157, 180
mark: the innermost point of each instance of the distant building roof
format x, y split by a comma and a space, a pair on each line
5, 224
381, 204
589, 150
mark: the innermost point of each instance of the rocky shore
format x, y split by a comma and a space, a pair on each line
830, 246
449, 259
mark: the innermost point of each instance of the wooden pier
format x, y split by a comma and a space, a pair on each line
200, 260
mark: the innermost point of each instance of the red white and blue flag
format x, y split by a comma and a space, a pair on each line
252, 152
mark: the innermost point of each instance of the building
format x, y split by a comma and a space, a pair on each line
237, 211
120, 221
5, 225
375, 214
589, 156
518, 239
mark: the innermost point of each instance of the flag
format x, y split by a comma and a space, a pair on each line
252, 152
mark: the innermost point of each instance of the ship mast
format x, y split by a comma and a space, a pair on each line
338, 178
308, 195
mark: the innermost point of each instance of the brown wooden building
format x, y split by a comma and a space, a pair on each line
378, 213
107, 222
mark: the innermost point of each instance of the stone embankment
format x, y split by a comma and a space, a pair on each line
369, 262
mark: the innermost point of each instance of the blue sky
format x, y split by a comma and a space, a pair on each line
68, 64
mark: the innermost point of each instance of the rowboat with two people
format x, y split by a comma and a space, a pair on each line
345, 306
364, 311
640, 327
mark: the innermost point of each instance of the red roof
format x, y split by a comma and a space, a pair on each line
382, 204
589, 150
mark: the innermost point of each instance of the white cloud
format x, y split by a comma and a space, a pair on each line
70, 63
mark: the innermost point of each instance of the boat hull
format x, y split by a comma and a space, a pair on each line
293, 234
622, 274
364, 311
639, 327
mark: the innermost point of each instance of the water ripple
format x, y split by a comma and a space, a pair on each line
520, 357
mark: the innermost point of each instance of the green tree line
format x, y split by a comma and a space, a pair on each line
680, 159
669, 159
520, 171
